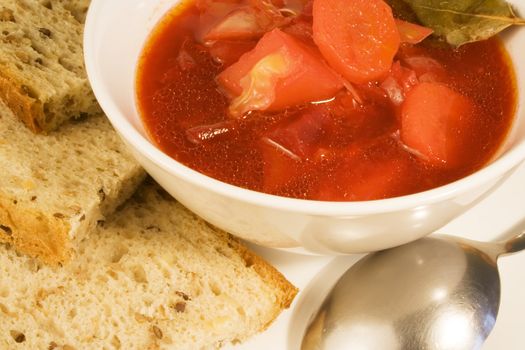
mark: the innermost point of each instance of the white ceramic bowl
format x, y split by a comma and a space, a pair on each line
114, 36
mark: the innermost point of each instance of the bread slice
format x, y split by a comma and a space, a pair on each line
78, 8
154, 276
42, 74
54, 188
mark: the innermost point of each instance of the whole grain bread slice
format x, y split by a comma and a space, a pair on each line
154, 276
78, 8
42, 74
55, 188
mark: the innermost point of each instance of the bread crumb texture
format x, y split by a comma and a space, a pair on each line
42, 74
154, 276
78, 8
55, 188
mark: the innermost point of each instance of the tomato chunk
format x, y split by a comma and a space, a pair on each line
279, 72
358, 38
412, 33
435, 123
226, 52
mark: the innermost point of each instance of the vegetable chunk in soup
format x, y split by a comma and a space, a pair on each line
324, 100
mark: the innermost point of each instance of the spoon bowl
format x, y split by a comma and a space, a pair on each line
439, 292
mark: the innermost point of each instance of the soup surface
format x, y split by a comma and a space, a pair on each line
436, 114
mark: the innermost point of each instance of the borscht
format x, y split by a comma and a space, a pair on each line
334, 100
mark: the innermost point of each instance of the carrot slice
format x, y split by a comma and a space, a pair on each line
358, 38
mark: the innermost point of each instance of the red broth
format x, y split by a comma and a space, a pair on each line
338, 150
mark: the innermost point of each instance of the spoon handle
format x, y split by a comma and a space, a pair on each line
515, 244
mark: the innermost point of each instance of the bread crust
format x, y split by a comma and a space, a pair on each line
154, 276
272, 277
42, 73
268, 273
26, 108
34, 233
55, 188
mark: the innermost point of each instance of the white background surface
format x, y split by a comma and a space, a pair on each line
499, 215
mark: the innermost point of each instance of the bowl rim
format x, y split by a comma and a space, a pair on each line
497, 168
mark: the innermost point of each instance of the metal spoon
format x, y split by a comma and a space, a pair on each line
435, 293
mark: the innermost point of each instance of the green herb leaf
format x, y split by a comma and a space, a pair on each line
464, 21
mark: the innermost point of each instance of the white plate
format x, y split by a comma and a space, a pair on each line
499, 215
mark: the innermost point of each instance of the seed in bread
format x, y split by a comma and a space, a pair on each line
153, 277
42, 74
55, 188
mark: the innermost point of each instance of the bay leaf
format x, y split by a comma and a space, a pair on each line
464, 21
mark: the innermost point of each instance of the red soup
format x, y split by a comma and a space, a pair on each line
284, 98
